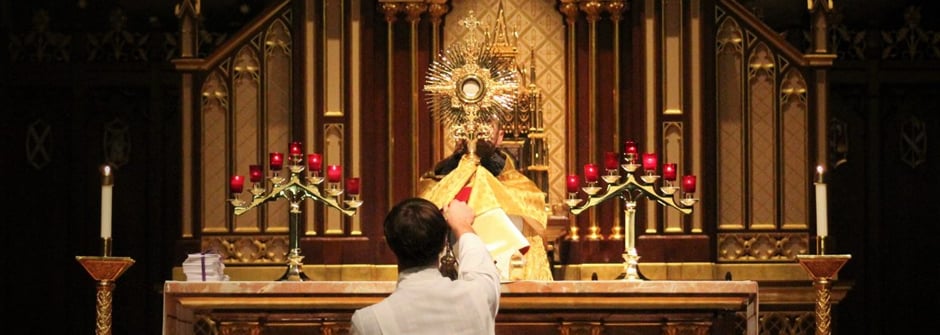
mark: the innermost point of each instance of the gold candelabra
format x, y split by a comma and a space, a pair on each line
297, 187
630, 188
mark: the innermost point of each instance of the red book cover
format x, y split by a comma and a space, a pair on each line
464, 194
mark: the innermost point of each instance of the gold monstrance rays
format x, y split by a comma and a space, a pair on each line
468, 86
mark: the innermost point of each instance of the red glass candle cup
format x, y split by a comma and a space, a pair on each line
334, 173
669, 171
629, 147
277, 161
649, 162
610, 160
573, 183
590, 173
688, 184
314, 162
296, 149
352, 186
237, 184
254, 173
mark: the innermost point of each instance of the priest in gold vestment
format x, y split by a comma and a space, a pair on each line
497, 190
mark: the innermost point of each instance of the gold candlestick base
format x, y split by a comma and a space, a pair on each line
105, 270
823, 269
295, 271
631, 260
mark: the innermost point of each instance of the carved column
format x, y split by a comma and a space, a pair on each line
570, 9
188, 11
391, 12
413, 12
593, 11
437, 9
616, 9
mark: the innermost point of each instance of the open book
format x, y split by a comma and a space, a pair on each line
503, 239
502, 235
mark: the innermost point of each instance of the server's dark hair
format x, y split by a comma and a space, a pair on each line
415, 230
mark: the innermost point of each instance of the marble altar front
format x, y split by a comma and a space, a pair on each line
530, 307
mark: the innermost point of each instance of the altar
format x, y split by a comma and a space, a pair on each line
529, 307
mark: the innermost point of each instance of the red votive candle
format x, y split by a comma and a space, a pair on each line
649, 161
688, 183
314, 162
352, 186
590, 172
254, 173
237, 184
610, 160
669, 171
277, 161
629, 147
573, 183
334, 173
296, 149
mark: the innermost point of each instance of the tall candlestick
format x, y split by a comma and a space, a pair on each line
822, 215
107, 185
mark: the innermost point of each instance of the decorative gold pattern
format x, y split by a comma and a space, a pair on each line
686, 329
391, 9
750, 247
785, 322
437, 10
248, 249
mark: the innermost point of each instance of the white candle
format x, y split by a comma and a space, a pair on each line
107, 184
822, 214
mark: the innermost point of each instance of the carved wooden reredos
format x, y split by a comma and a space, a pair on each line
703, 83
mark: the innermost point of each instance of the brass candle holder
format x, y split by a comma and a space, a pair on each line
105, 270
296, 188
630, 188
823, 269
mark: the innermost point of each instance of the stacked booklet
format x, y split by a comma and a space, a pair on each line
204, 267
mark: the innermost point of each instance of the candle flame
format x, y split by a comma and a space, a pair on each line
106, 177
819, 174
